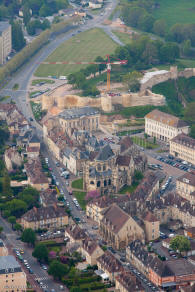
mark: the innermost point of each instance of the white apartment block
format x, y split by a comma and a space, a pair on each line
164, 126
5, 41
183, 147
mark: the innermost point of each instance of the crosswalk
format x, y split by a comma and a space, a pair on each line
41, 278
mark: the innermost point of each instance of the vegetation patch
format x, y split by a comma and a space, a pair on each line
37, 111
84, 47
128, 189
144, 142
15, 87
78, 184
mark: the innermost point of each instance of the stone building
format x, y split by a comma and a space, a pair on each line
84, 118
118, 228
183, 147
11, 275
51, 217
164, 126
127, 282
152, 227
108, 171
91, 251
185, 186
5, 41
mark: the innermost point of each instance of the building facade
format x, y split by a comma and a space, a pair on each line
12, 278
164, 126
152, 226
5, 41
127, 282
91, 251
85, 118
183, 147
185, 186
51, 217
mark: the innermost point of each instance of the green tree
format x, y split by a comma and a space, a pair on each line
7, 191
1, 229
101, 67
12, 220
29, 236
18, 41
186, 47
169, 52
137, 177
16, 207
73, 289
154, 140
192, 131
131, 80
41, 252
189, 115
26, 14
18, 227
160, 27
57, 269
180, 243
146, 22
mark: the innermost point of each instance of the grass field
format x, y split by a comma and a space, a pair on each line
80, 196
123, 37
78, 184
144, 143
176, 11
84, 47
127, 189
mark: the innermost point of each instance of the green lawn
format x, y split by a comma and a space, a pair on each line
144, 143
127, 189
123, 37
176, 11
84, 47
80, 196
78, 184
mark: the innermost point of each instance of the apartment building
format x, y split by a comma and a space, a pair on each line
91, 251
75, 234
12, 278
185, 186
5, 41
83, 118
152, 226
183, 147
51, 217
164, 126
127, 282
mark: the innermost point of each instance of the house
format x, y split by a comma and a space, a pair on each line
137, 254
48, 197
166, 243
171, 273
12, 158
183, 147
3, 249
75, 234
118, 228
185, 186
11, 274
91, 251
32, 152
109, 265
51, 217
152, 225
190, 232
127, 282
36, 178
164, 126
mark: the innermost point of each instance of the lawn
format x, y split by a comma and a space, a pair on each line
84, 47
127, 189
37, 81
80, 196
176, 11
78, 184
123, 37
144, 143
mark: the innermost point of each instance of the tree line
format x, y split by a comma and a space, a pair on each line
139, 14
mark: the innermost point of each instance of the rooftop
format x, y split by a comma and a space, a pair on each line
3, 26
9, 263
166, 119
188, 178
105, 153
185, 140
38, 214
110, 263
129, 282
150, 217
74, 113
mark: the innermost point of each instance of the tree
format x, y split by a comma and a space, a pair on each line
12, 220
92, 195
41, 252
186, 47
192, 131
57, 269
16, 207
131, 80
1, 229
101, 67
189, 115
138, 175
180, 243
169, 52
18, 227
18, 40
160, 27
29, 236
73, 289
146, 22
26, 14
154, 140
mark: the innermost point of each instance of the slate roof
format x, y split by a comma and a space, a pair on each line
185, 140
110, 263
125, 143
74, 113
115, 217
105, 153
123, 160
89, 245
76, 232
8, 264
137, 249
43, 213
188, 178
129, 282
166, 119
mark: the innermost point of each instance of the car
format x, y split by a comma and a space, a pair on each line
25, 261
44, 267
31, 119
31, 271
95, 227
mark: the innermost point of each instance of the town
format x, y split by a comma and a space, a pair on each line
97, 169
